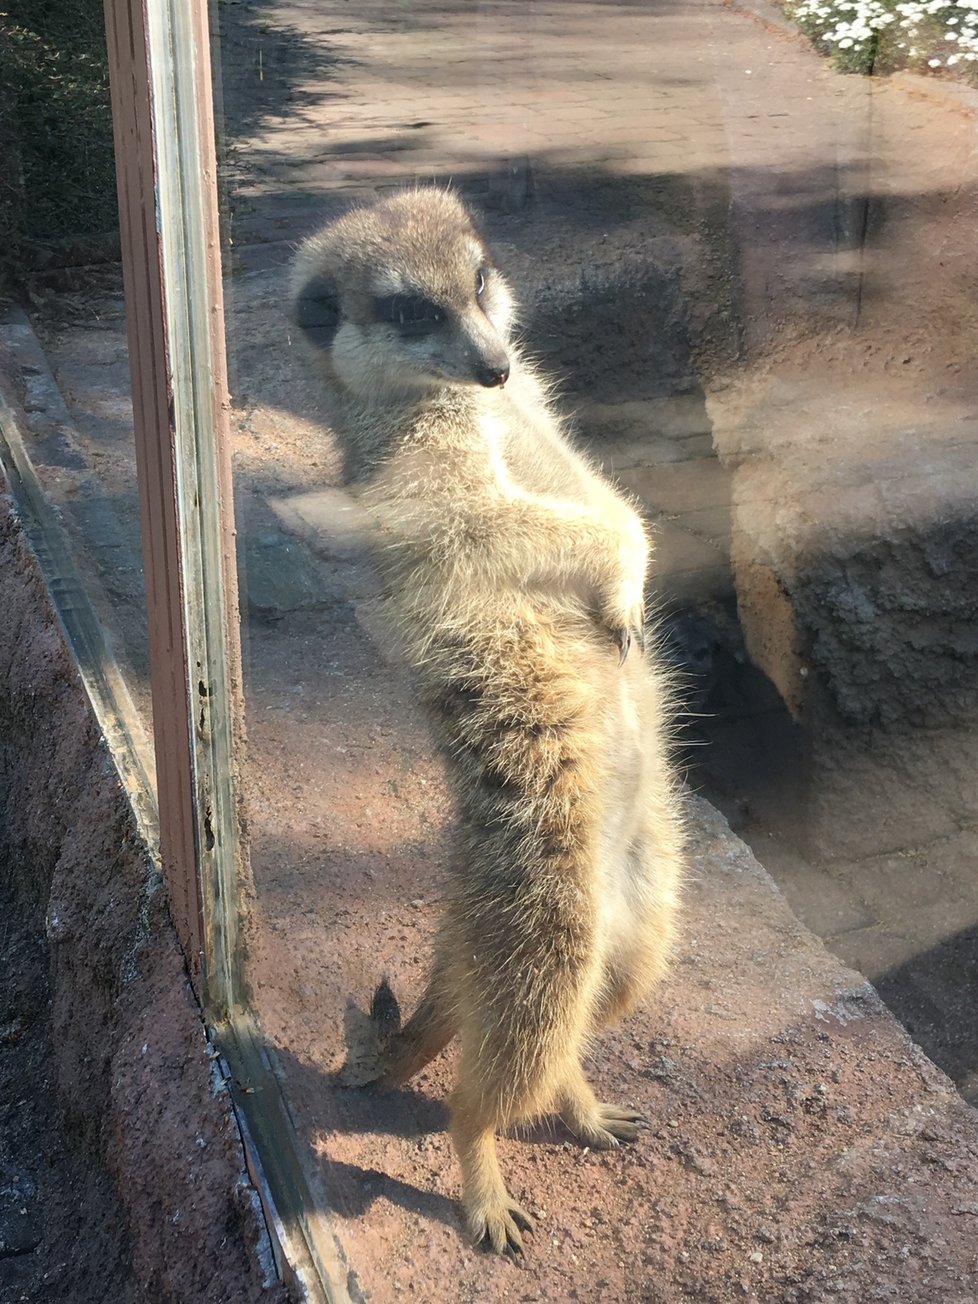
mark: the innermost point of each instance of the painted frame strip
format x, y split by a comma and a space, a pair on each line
159, 56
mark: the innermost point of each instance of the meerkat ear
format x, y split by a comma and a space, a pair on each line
317, 311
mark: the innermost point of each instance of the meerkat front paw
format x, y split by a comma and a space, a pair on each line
623, 611
498, 1227
624, 618
624, 636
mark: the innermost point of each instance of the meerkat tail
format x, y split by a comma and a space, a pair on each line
427, 1033
369, 1037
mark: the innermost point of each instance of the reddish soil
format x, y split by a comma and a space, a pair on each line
120, 1165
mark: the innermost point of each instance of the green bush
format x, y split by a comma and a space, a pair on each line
57, 182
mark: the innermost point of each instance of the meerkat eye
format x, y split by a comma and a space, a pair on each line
410, 314
480, 282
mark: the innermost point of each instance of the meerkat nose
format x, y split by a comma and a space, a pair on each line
493, 377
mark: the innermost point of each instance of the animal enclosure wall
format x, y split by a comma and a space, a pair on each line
122, 1168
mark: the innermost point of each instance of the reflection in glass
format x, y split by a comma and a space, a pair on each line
752, 292
64, 366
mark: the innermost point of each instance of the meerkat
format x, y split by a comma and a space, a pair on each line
517, 576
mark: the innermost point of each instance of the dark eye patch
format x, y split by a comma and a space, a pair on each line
411, 314
480, 281
317, 311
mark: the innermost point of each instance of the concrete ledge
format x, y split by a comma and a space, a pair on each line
800, 1147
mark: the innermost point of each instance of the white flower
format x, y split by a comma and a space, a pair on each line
852, 25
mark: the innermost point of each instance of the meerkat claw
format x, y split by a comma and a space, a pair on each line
621, 1124
625, 636
501, 1232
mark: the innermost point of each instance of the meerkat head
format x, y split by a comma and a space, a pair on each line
403, 298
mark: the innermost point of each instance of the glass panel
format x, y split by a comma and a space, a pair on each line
745, 269
63, 352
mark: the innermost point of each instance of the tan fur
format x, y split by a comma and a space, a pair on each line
517, 574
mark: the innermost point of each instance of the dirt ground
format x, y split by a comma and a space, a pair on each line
682, 195
121, 1173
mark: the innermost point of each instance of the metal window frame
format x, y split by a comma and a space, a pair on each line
162, 108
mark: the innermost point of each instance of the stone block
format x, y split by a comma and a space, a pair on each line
827, 903
680, 486
675, 550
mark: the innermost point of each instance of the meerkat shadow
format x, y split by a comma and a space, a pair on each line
349, 1189
365, 1043
353, 1190
363, 1105
403, 1112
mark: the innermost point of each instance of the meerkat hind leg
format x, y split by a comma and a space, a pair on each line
600, 1125
492, 1217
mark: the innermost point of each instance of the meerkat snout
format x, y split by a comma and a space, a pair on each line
493, 376
489, 358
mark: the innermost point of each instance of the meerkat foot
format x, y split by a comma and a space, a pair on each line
599, 1125
494, 1220
498, 1226
607, 1127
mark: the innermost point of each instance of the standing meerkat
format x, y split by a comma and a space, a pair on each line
517, 575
